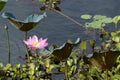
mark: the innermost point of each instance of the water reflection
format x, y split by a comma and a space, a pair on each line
57, 28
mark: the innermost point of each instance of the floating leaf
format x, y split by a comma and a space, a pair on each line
99, 17
25, 25
2, 4
98, 21
95, 25
86, 16
107, 20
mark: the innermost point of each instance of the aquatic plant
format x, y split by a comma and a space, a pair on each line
34, 43
115, 20
98, 21
8, 43
72, 60
29, 23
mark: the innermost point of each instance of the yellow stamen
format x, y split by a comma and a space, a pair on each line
35, 42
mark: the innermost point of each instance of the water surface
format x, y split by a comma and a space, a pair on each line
55, 27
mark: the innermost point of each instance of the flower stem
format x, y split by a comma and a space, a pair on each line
8, 42
116, 26
106, 74
27, 52
66, 71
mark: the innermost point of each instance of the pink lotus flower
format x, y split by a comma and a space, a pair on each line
33, 43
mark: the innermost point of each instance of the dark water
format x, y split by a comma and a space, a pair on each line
55, 27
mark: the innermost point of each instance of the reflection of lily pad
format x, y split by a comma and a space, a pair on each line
2, 4
25, 25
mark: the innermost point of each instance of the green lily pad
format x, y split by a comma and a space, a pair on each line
98, 21
99, 17
95, 25
86, 16
29, 23
107, 20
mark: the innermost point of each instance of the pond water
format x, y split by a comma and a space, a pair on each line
55, 27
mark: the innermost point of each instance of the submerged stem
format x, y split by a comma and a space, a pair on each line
8, 43
69, 18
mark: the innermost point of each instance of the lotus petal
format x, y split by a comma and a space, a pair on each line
25, 25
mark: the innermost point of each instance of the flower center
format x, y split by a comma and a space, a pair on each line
35, 42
